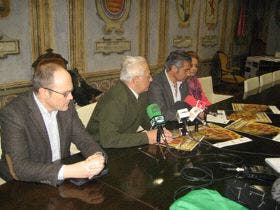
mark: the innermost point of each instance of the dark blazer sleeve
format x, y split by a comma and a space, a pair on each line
28, 161
26, 144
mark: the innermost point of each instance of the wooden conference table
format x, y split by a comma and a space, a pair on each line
139, 178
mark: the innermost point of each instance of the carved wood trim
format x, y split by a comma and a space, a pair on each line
42, 26
143, 28
198, 41
224, 24
76, 28
163, 26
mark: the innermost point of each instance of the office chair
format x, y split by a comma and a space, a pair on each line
228, 74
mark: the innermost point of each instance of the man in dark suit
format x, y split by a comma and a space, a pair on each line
170, 85
38, 128
120, 113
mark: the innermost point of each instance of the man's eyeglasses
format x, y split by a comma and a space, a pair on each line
65, 94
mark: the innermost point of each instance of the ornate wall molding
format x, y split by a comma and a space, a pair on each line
42, 26
4, 8
182, 41
232, 29
8, 46
224, 24
113, 14
198, 29
143, 28
184, 11
10, 90
163, 28
76, 28
112, 44
211, 13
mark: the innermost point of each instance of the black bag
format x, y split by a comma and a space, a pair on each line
83, 93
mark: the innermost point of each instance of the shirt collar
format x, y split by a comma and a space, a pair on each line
42, 109
170, 82
134, 93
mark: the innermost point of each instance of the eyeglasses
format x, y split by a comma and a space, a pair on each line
65, 94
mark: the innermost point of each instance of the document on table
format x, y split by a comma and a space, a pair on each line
273, 163
220, 117
232, 142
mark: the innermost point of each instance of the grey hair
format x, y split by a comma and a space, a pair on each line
130, 68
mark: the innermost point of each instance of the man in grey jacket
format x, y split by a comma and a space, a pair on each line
170, 85
38, 128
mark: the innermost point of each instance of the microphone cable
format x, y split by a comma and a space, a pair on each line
207, 176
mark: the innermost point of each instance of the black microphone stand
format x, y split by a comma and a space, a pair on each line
160, 133
184, 129
196, 125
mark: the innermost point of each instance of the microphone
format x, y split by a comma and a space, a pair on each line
182, 111
155, 116
196, 110
156, 119
182, 115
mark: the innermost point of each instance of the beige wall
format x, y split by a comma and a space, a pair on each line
72, 28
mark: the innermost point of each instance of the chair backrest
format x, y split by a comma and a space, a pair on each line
266, 81
276, 77
251, 86
85, 112
207, 85
223, 60
265, 67
2, 181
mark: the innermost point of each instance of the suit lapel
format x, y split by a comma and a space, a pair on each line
167, 89
37, 118
184, 89
62, 119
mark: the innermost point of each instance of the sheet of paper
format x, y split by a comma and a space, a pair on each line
232, 142
220, 117
277, 138
274, 109
273, 163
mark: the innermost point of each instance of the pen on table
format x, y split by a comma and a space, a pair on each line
146, 153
